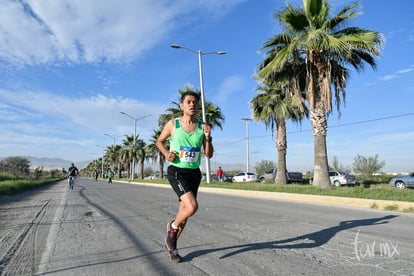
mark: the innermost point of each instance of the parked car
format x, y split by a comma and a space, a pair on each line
245, 177
401, 182
271, 174
340, 178
226, 177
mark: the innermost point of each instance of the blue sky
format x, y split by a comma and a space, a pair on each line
69, 67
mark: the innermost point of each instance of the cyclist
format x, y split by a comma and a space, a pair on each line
72, 173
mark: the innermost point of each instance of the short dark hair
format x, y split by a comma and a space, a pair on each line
190, 93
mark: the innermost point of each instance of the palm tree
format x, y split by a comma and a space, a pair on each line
273, 108
140, 154
213, 112
154, 153
283, 99
127, 152
326, 48
112, 152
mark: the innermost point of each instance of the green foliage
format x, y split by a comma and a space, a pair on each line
369, 180
10, 185
264, 166
15, 165
5, 177
367, 165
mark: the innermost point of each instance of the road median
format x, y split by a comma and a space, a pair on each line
391, 205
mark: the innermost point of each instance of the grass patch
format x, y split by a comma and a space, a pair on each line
393, 207
11, 185
374, 206
376, 192
408, 210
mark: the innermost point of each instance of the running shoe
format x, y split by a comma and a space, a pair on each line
171, 243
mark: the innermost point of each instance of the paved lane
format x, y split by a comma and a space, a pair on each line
118, 229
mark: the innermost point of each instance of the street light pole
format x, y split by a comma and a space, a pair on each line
203, 107
247, 141
106, 134
113, 145
134, 142
102, 163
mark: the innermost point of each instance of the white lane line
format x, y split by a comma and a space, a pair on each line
52, 235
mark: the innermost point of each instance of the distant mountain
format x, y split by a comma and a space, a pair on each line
58, 163
51, 163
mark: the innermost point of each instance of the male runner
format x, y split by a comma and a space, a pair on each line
187, 135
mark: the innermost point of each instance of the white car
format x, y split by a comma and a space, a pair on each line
245, 177
339, 179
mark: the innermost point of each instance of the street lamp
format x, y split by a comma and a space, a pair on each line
113, 145
106, 134
247, 141
135, 135
203, 108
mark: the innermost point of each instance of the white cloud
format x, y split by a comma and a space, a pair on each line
398, 74
59, 34
89, 112
38, 121
78, 31
230, 86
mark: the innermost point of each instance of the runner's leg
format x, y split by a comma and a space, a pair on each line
188, 207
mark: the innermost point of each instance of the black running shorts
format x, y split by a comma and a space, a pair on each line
184, 180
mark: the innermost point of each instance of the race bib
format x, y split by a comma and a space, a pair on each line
189, 154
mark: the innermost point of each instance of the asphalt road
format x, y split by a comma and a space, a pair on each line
118, 229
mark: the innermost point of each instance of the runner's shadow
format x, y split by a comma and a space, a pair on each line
310, 240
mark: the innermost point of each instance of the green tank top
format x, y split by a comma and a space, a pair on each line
187, 146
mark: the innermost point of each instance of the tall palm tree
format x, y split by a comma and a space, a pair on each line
112, 153
127, 152
118, 160
273, 107
283, 99
154, 153
327, 49
140, 154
